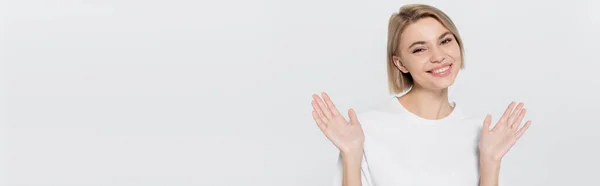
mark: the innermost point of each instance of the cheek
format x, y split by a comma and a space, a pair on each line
454, 52
415, 63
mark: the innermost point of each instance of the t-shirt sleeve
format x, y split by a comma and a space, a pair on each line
365, 175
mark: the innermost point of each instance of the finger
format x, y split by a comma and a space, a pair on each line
517, 123
322, 107
319, 122
515, 114
486, 122
332, 109
507, 112
523, 129
353, 117
319, 112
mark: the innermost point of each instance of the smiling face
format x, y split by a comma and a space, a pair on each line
430, 53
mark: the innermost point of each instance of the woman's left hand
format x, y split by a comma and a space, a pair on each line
495, 143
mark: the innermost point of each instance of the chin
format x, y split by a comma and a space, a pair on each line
440, 81
439, 85
443, 83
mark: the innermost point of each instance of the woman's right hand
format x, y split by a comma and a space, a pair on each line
347, 136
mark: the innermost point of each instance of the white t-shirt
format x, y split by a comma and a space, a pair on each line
401, 148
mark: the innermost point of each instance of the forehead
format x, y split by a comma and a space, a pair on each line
425, 29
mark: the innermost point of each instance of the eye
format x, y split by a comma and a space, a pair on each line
418, 50
446, 41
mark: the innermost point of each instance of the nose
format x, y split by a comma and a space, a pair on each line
437, 55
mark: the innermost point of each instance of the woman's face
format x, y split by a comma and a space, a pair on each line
430, 53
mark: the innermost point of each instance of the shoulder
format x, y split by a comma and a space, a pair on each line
380, 115
471, 118
382, 108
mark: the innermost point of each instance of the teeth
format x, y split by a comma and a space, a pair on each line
441, 70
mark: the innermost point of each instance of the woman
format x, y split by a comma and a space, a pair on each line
419, 137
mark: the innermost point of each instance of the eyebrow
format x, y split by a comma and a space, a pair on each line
423, 42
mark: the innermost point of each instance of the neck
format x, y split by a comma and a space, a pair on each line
428, 104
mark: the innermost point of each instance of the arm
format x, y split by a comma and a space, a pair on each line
351, 163
496, 142
348, 137
490, 171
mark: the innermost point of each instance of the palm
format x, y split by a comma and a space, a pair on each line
496, 142
346, 136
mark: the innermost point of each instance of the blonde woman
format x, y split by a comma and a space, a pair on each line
419, 137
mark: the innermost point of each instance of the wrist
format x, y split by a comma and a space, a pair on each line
489, 158
489, 164
352, 155
352, 151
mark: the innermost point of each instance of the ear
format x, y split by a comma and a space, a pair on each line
399, 65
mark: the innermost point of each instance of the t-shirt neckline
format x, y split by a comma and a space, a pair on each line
452, 114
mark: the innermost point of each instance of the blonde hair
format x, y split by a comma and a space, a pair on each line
399, 82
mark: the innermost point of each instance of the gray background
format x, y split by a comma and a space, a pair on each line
140, 92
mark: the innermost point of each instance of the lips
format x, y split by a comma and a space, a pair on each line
440, 69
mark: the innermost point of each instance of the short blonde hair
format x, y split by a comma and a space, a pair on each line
399, 82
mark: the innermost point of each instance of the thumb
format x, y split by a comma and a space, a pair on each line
353, 118
487, 122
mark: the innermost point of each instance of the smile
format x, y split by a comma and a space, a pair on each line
441, 72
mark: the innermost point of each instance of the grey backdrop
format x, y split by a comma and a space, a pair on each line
132, 92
